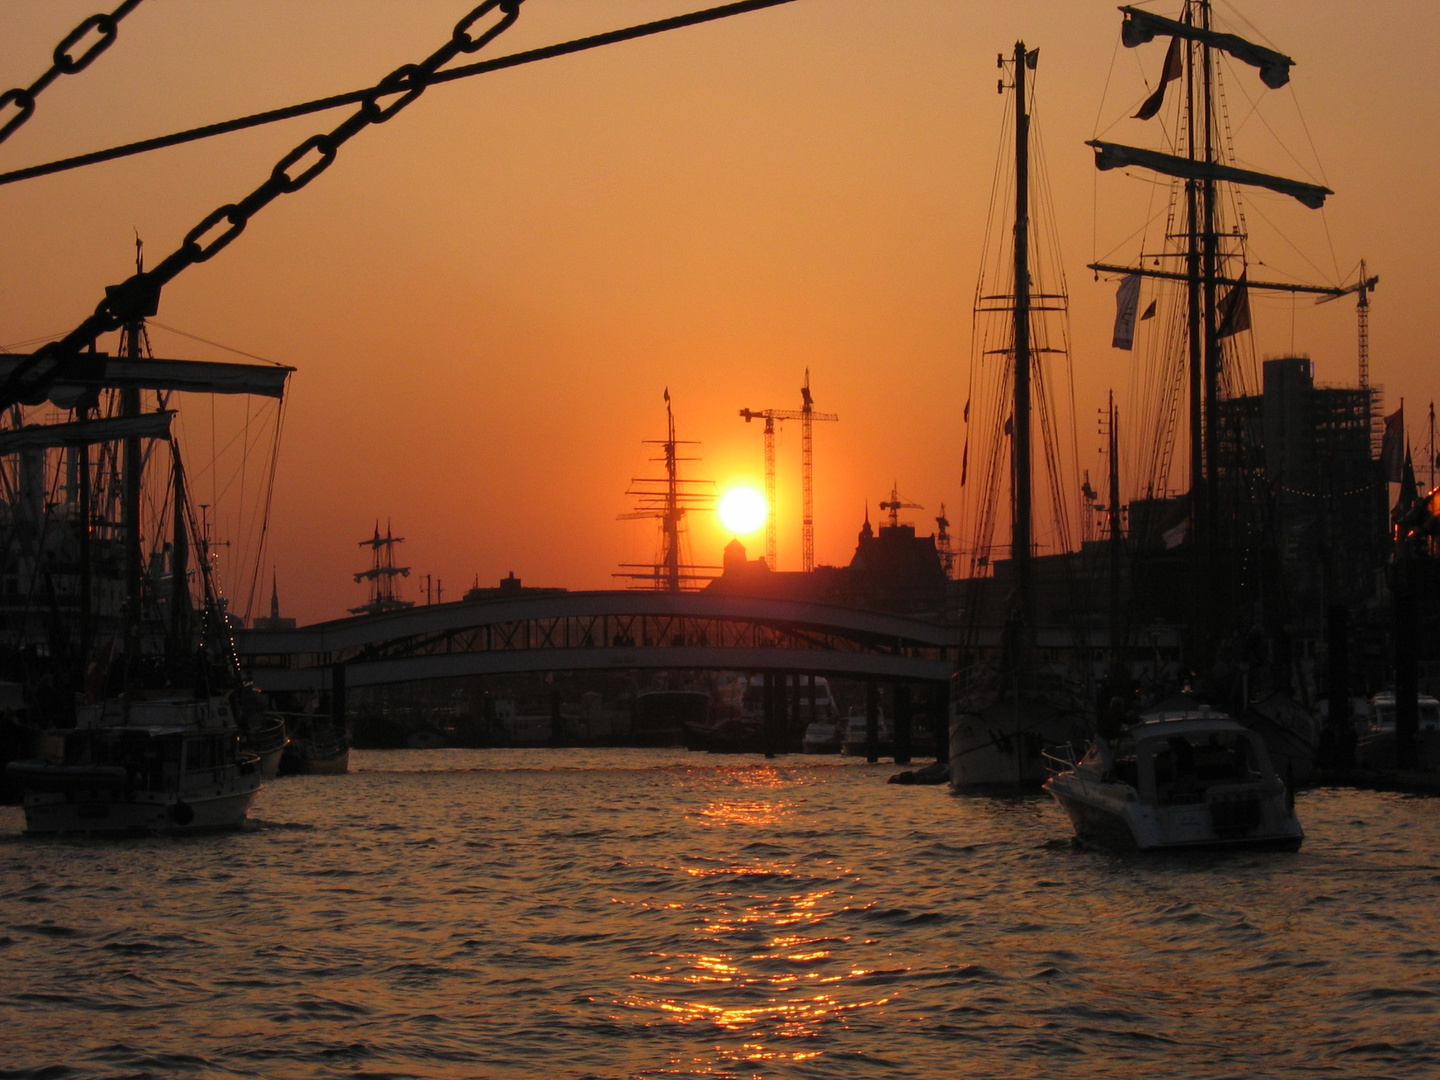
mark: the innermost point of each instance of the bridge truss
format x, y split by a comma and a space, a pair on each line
597, 631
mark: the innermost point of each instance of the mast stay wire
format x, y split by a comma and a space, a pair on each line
355, 97
22, 98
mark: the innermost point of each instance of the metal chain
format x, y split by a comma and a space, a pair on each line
139, 296
22, 99
353, 97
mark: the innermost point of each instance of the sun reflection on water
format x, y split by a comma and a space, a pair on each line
776, 967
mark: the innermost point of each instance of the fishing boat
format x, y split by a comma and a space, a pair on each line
1009, 704
1175, 783
152, 766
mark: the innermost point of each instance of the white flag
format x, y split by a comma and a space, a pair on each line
1127, 303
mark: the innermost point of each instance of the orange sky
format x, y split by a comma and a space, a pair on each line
486, 296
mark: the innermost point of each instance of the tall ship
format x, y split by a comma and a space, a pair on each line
669, 499
1260, 507
1008, 702
381, 575
112, 616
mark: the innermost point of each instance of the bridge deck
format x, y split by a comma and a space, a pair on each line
598, 631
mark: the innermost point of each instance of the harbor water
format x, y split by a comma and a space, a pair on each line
619, 913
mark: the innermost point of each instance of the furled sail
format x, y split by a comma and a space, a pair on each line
155, 425
1113, 156
88, 372
1142, 26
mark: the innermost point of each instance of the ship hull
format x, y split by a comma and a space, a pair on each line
95, 804
1000, 742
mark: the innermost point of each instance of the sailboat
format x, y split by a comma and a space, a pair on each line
1237, 542
1008, 706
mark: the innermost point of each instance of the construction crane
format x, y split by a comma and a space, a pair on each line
895, 504
1363, 288
806, 415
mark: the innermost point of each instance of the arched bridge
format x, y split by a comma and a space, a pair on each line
576, 631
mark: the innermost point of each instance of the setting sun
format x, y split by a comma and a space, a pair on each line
742, 510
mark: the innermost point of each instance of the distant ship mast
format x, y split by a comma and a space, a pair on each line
668, 498
382, 575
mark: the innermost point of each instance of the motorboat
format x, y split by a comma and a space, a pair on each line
140, 767
1177, 783
822, 736
856, 740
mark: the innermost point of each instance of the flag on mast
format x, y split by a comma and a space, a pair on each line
1127, 303
1168, 74
1235, 309
1392, 448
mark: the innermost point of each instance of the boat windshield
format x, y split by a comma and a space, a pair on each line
1186, 766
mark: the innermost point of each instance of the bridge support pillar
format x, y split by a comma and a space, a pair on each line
768, 721
872, 721
902, 723
795, 729
941, 722
337, 696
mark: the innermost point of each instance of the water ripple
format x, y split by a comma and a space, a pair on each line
569, 914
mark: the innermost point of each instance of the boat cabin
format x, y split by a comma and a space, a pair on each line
1178, 762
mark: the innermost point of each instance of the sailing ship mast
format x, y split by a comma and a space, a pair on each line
1210, 317
1021, 529
669, 498
382, 574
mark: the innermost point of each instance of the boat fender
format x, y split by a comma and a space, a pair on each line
182, 813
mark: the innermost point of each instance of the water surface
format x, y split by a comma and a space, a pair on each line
572, 913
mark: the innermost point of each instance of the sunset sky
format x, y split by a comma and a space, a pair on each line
486, 297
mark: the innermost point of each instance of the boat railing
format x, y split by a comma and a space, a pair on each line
1059, 759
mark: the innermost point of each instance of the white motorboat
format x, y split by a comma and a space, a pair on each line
856, 740
1200, 782
141, 767
824, 733
822, 737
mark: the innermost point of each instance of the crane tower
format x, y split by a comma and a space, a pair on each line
807, 415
